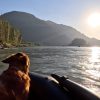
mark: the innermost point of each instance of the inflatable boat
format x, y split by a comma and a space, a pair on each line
54, 87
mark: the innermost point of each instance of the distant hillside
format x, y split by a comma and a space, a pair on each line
36, 30
79, 42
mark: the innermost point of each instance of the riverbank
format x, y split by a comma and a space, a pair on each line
11, 45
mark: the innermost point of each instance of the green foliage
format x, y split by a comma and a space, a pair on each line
8, 34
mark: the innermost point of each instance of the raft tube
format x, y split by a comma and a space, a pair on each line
54, 87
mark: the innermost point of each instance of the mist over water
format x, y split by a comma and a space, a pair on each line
80, 64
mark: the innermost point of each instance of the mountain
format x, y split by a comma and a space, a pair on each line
44, 32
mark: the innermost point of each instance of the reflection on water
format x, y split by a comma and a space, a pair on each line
94, 59
92, 70
95, 53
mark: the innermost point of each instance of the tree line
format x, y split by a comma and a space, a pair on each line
9, 34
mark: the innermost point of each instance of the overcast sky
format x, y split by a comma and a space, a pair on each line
68, 12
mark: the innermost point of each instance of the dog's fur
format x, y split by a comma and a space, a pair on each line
15, 81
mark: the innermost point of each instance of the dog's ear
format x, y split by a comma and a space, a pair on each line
25, 61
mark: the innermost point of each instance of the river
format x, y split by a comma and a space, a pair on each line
80, 64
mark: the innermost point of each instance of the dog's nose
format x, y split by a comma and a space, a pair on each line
5, 61
8, 60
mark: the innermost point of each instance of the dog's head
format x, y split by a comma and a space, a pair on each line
19, 60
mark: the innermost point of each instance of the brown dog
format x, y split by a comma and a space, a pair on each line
15, 81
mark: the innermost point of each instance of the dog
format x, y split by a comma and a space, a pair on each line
15, 81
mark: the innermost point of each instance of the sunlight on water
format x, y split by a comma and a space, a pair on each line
95, 54
95, 62
92, 71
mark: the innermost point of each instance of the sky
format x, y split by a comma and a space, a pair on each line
75, 13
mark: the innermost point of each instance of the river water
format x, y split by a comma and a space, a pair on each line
80, 64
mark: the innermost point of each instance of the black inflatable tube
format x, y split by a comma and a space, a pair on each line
77, 91
43, 88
